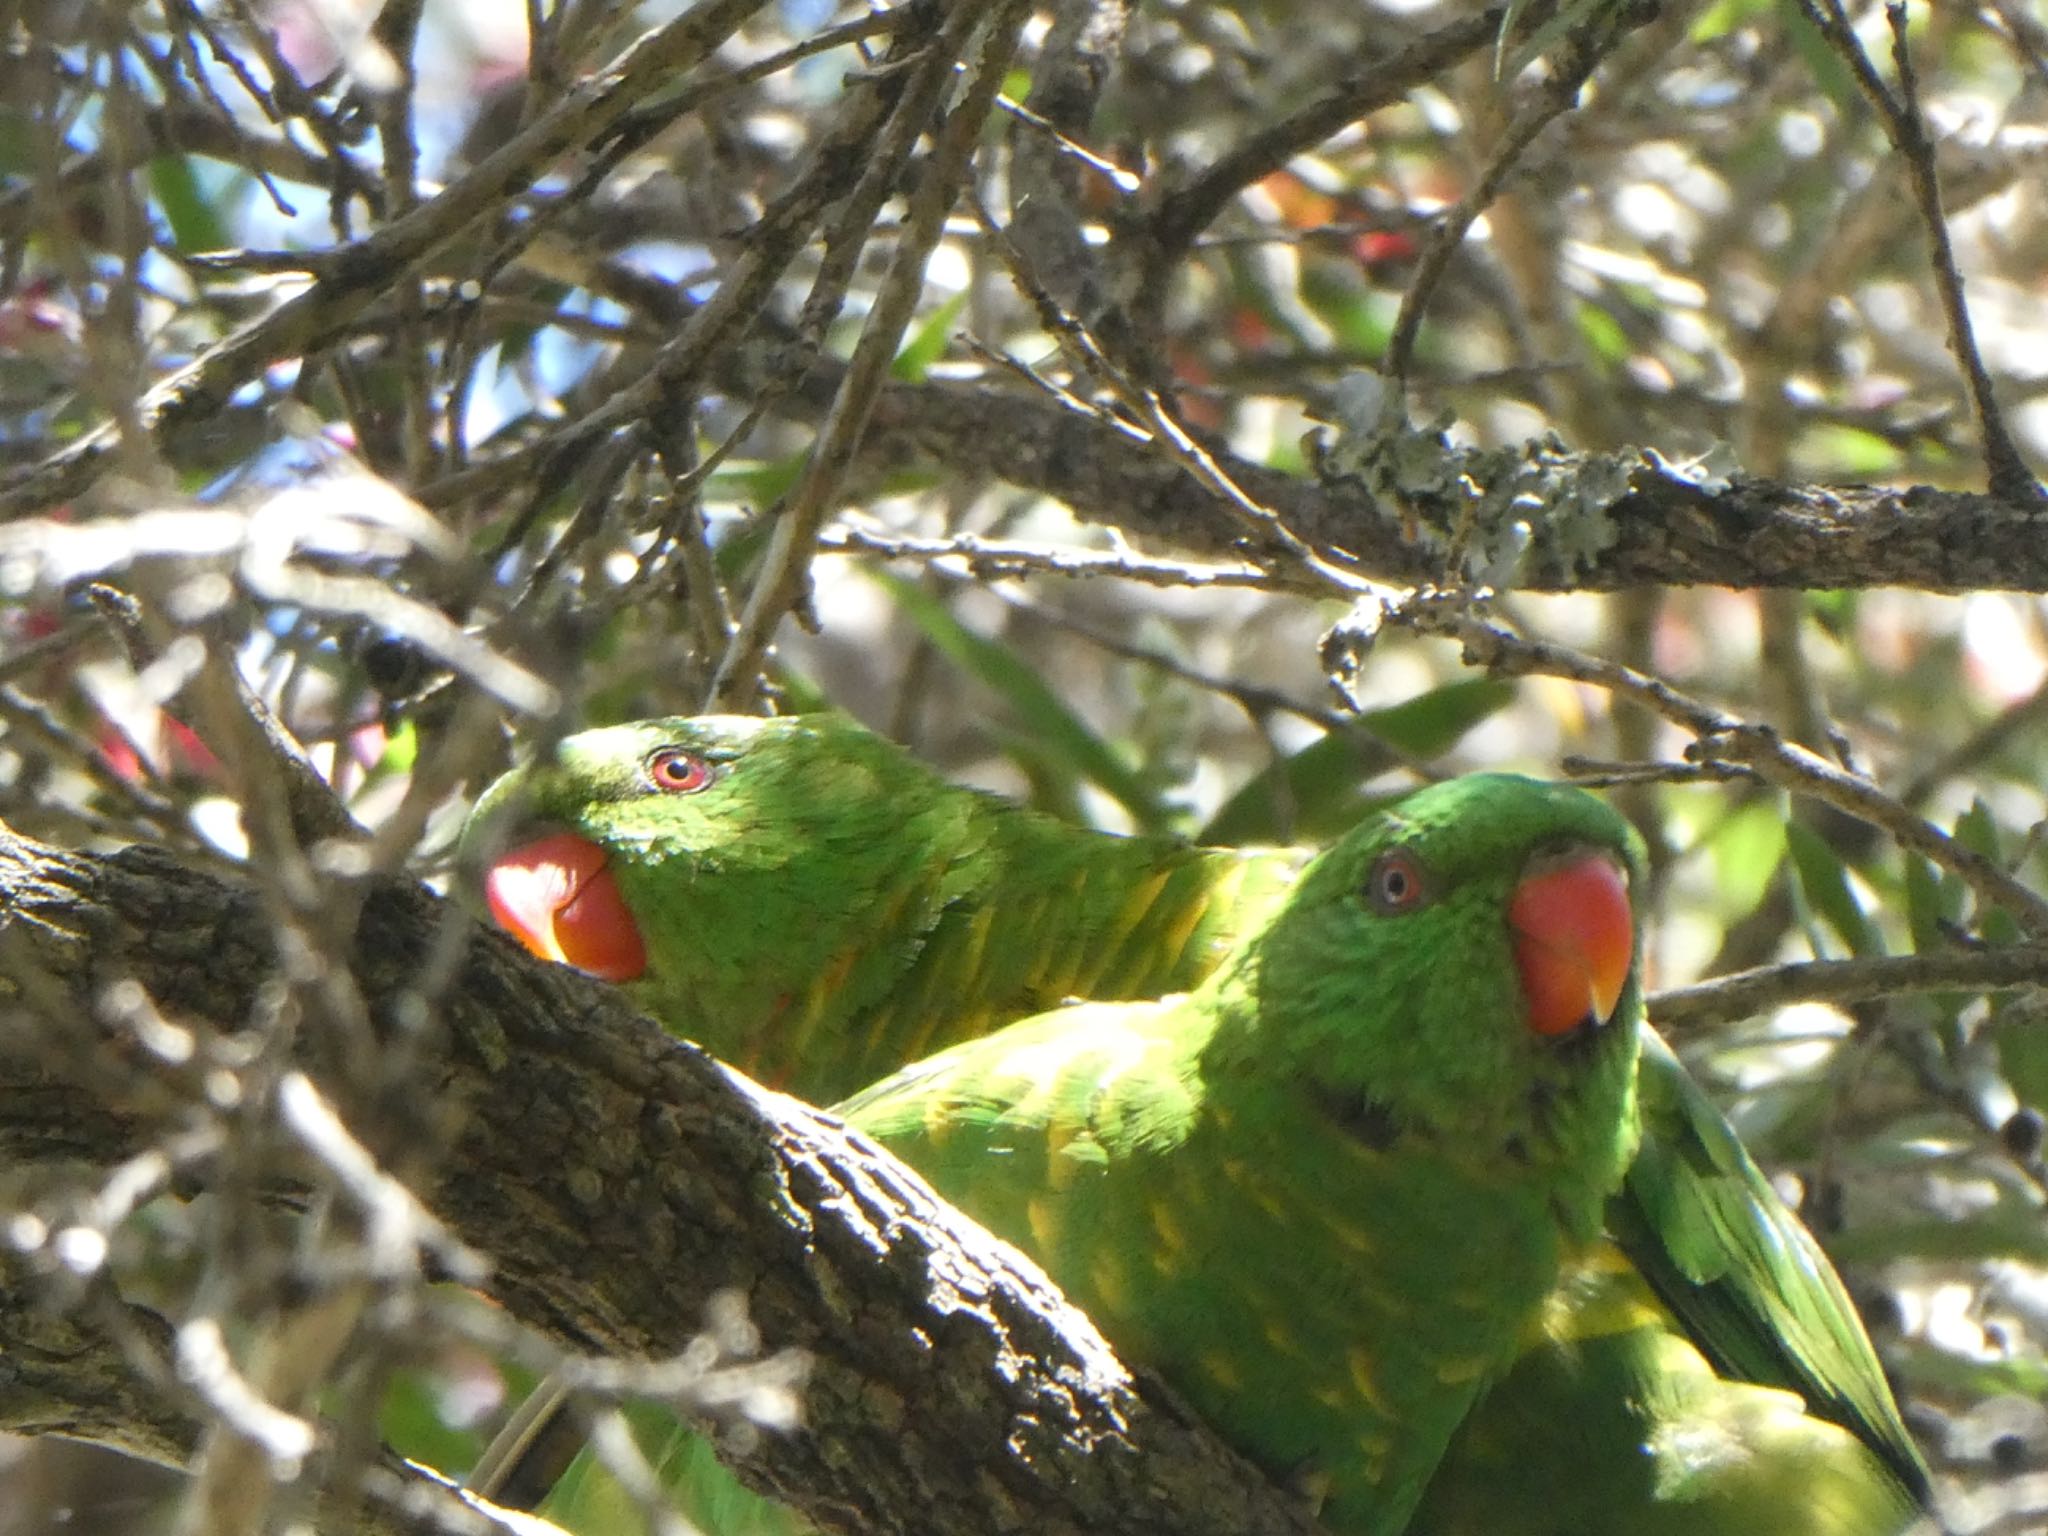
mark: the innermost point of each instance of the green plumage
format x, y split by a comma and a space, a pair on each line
827, 908
1325, 1193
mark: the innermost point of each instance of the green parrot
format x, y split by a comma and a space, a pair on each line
1325, 1193
808, 901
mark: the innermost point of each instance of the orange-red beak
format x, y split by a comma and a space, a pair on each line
1574, 940
557, 898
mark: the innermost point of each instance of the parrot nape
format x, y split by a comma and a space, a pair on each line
1325, 1193
810, 902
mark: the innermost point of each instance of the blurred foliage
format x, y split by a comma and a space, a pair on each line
526, 435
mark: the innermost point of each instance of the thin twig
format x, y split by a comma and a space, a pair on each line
2009, 475
358, 275
973, 555
1185, 212
1157, 417
1906, 126
1844, 982
1987, 741
796, 532
1254, 700
1556, 96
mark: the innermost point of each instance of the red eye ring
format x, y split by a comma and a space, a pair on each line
1396, 883
674, 771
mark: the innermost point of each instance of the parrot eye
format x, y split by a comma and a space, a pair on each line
1395, 883
676, 772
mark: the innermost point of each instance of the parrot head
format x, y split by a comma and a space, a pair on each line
628, 818
1464, 966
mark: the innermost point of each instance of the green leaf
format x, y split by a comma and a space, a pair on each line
1603, 334
1835, 611
1938, 1372
800, 695
1062, 740
1055, 783
1825, 883
1362, 319
1306, 797
411, 1414
928, 344
1934, 901
2022, 1044
517, 340
1746, 850
1432, 723
1978, 830
1827, 71
1999, 1233
1568, 15
195, 223
759, 482
1725, 16
1845, 450
401, 750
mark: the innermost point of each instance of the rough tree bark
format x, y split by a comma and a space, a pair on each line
952, 1389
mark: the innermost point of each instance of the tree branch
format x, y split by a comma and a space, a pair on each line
952, 1390
1742, 533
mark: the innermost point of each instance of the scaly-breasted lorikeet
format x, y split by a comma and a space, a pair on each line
1327, 1192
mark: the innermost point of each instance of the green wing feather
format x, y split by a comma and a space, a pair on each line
1750, 1286
1611, 1423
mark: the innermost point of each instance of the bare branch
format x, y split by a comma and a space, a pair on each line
356, 275
796, 530
1743, 994
1720, 737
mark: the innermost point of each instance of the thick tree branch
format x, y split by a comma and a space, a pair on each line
71, 1371
618, 1181
66, 1374
1743, 533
